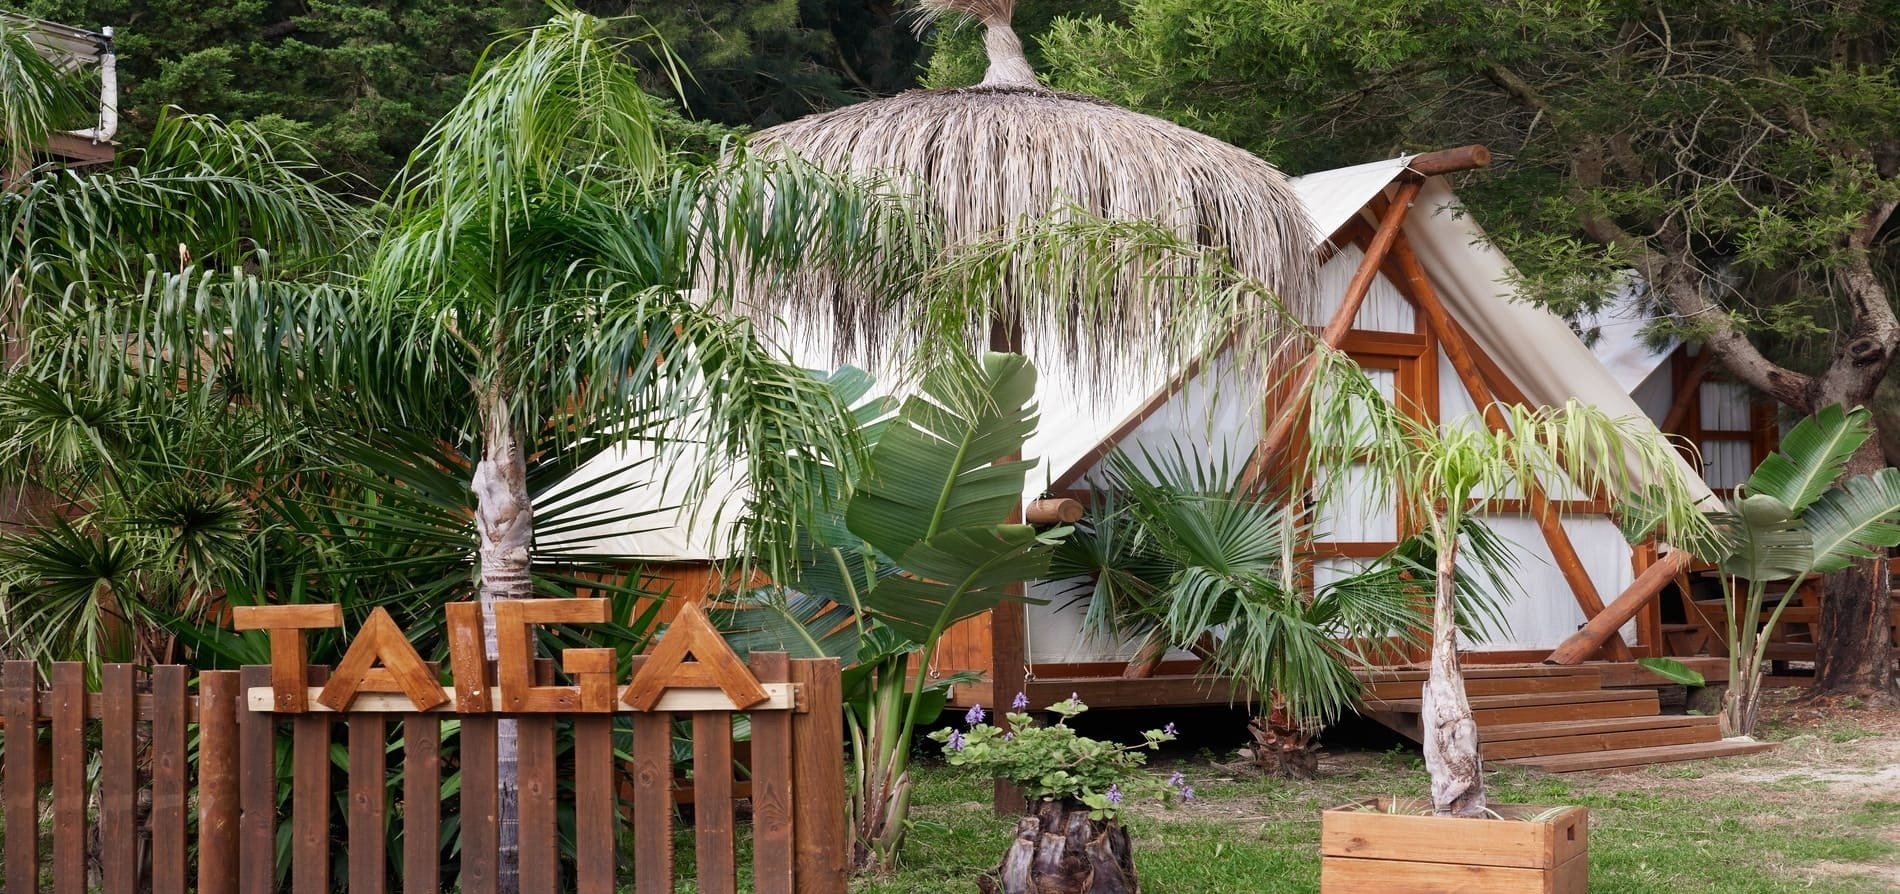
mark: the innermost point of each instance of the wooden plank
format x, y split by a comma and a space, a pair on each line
218, 810
1524, 731
421, 804
818, 808
778, 697
303, 616
1642, 757
480, 816
540, 861
70, 752
1602, 741
1527, 699
712, 803
118, 782
310, 804
774, 863
1499, 685
653, 803
1489, 717
468, 663
257, 791
1357, 875
369, 771
1392, 837
21, 681
169, 787
595, 820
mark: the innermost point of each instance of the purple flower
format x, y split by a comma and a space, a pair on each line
1177, 780
975, 716
956, 740
1009, 736
1020, 702
1115, 796
1170, 730
1187, 793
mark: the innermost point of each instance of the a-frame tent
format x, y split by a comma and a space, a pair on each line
1410, 288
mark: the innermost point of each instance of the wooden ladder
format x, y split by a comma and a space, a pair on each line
1559, 719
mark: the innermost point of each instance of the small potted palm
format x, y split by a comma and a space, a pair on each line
1445, 477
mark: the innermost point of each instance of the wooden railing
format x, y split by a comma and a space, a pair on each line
257, 788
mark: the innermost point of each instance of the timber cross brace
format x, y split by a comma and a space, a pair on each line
690, 668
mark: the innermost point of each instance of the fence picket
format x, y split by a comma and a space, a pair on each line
169, 715
22, 782
480, 843
421, 804
238, 774
310, 804
712, 802
540, 861
773, 859
818, 779
69, 777
653, 803
369, 770
118, 782
217, 782
257, 791
594, 816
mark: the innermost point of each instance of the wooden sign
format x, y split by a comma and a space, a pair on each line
689, 669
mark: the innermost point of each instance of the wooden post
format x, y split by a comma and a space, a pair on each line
818, 824
118, 781
1449, 161
169, 787
1688, 393
257, 790
422, 804
1602, 628
1060, 511
773, 855
1286, 420
1549, 519
21, 680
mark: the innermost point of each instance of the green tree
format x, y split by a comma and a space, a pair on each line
1744, 158
357, 84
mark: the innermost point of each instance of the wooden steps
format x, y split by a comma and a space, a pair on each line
1560, 719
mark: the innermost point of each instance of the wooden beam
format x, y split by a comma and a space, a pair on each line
1287, 420
1602, 628
1060, 511
1688, 392
1449, 161
1549, 521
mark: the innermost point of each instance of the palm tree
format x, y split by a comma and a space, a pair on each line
1447, 474
550, 274
1180, 552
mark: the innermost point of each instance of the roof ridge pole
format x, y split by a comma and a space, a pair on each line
1287, 419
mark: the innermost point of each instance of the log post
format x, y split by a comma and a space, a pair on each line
1592, 635
1537, 503
1056, 511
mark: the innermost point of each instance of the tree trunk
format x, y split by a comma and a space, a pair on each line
504, 529
1060, 850
1451, 733
1281, 746
1853, 653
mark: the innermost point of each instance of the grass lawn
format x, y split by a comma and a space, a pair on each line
1820, 813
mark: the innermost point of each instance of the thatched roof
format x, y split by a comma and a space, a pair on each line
991, 157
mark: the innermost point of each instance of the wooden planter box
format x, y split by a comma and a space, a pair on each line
1532, 850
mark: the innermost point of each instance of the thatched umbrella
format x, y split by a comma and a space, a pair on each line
1000, 158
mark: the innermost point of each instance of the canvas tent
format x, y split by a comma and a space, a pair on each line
1439, 255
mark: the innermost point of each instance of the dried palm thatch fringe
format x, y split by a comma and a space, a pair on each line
993, 164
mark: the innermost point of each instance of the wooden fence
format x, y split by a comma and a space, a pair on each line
263, 800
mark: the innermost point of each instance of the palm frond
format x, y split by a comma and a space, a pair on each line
1812, 456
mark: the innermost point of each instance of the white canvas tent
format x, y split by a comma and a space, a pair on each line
1537, 351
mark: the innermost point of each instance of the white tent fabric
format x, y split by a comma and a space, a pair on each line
1537, 349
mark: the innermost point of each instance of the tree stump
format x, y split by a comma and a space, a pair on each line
1060, 850
1282, 750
